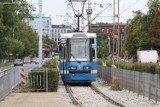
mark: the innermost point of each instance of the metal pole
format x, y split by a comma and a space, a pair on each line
46, 80
40, 33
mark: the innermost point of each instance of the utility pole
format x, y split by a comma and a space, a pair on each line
89, 12
116, 28
82, 18
116, 36
40, 33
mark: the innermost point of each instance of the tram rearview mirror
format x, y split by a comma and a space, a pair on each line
94, 46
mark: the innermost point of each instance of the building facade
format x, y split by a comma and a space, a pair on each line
57, 30
46, 24
107, 30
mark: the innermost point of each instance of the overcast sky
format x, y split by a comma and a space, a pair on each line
53, 8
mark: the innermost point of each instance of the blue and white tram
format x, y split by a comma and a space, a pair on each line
78, 57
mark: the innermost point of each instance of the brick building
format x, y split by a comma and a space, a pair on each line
106, 29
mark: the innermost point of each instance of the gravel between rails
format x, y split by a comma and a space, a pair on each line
129, 99
91, 99
62, 91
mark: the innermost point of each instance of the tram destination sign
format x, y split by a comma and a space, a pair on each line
77, 0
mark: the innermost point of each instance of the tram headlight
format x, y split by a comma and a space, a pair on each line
72, 68
87, 68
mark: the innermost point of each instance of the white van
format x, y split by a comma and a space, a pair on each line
147, 56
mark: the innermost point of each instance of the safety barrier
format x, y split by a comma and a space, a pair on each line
5, 83
145, 84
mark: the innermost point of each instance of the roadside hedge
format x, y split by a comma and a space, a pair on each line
37, 82
145, 67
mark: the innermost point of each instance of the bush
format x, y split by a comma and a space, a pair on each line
149, 68
53, 78
146, 67
37, 76
51, 64
53, 75
36, 80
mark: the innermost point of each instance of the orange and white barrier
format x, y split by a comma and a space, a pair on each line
22, 75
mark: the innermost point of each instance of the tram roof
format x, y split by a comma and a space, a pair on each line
78, 35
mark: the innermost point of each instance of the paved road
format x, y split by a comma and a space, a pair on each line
3, 68
15, 75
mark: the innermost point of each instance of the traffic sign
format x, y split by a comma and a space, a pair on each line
10, 53
43, 49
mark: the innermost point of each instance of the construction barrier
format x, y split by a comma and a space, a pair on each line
22, 75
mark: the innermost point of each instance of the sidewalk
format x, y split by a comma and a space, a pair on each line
51, 99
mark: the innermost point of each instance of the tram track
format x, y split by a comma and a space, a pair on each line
74, 99
106, 97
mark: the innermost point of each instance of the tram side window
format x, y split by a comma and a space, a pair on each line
68, 50
92, 40
62, 52
93, 53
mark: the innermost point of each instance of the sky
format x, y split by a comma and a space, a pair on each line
54, 8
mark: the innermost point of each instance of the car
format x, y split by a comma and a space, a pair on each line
33, 60
36, 60
27, 60
18, 62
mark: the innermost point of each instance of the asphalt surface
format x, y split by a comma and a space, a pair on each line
30, 99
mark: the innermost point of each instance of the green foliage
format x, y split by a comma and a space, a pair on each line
103, 50
53, 76
50, 64
146, 67
101, 61
49, 44
16, 46
102, 42
37, 83
143, 30
10, 16
135, 33
27, 36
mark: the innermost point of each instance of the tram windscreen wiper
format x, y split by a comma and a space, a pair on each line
75, 58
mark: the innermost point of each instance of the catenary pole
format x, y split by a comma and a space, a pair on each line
40, 33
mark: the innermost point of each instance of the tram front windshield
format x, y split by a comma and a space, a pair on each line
80, 49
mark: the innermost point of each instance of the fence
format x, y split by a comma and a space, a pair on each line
144, 84
10, 82
5, 83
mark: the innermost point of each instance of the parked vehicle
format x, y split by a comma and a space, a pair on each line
36, 60
27, 60
33, 60
147, 56
18, 62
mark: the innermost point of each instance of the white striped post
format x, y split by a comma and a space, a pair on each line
22, 75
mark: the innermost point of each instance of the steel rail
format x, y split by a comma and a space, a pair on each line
106, 97
74, 100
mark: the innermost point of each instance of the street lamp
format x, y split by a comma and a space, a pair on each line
40, 33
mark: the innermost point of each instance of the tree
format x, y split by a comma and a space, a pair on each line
143, 31
28, 37
103, 50
10, 15
16, 46
135, 33
102, 42
153, 40
49, 44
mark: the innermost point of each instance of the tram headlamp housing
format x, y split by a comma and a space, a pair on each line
72, 68
87, 68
